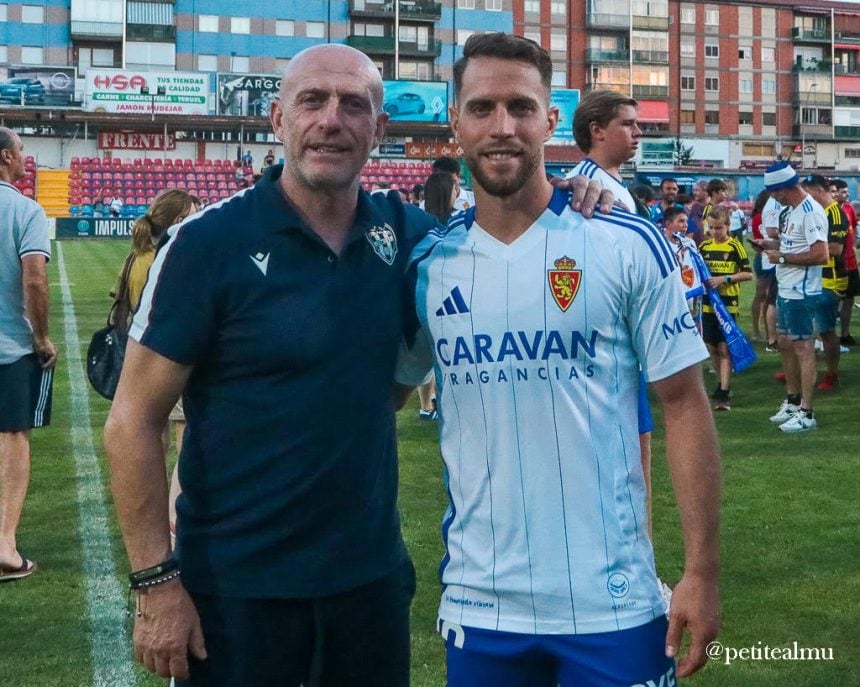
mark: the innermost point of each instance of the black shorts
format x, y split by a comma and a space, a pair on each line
772, 287
358, 638
853, 288
26, 393
711, 331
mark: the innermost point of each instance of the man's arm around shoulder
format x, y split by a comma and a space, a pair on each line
168, 627
693, 456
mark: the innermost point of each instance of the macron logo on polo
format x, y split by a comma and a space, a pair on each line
261, 261
453, 304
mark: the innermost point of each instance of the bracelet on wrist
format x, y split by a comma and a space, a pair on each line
154, 575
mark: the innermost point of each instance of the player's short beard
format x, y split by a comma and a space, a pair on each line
502, 187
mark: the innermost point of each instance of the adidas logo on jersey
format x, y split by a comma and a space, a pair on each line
453, 304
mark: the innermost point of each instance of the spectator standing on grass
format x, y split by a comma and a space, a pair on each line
284, 484
761, 314
839, 187
668, 199
729, 265
27, 354
799, 253
718, 192
834, 277
697, 210
548, 576
675, 222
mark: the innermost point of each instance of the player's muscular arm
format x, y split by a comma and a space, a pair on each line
693, 456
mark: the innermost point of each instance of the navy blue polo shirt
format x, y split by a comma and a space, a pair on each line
289, 460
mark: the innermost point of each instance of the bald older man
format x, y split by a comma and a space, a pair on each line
277, 315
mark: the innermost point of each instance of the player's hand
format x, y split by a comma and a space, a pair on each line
586, 195
695, 606
47, 352
167, 631
714, 282
773, 256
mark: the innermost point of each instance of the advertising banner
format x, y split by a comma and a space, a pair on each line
135, 140
173, 93
416, 101
244, 95
88, 228
38, 86
566, 100
429, 150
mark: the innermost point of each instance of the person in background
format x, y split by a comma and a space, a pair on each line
839, 187
268, 160
248, 159
668, 199
718, 192
729, 265
465, 198
418, 195
696, 211
27, 354
737, 221
762, 312
675, 222
116, 206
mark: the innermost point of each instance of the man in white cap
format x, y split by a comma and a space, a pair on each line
798, 254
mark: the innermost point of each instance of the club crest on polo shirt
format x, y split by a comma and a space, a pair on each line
564, 282
384, 242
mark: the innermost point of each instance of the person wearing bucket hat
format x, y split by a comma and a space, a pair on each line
799, 253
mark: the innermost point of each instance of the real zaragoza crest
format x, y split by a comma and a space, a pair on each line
564, 282
384, 242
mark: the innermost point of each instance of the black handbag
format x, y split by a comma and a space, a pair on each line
106, 351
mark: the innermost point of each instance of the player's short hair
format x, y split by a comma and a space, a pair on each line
672, 213
839, 183
715, 185
600, 106
668, 180
721, 213
505, 46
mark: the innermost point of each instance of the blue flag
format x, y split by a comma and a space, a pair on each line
741, 350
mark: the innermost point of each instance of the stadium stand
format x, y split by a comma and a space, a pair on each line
27, 185
399, 175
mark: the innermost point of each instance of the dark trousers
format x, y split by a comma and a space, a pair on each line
358, 638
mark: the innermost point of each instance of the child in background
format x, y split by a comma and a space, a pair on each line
675, 223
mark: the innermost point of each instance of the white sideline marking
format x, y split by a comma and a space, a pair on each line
109, 641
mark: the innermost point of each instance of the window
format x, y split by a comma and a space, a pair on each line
4, 54
712, 17
768, 118
463, 36
207, 23
650, 8
558, 9
712, 50
3, 14
532, 36
373, 30
559, 75
712, 83
466, 4
688, 15
532, 6
207, 63
768, 86
688, 47
32, 55
315, 29
712, 117
745, 52
416, 71
240, 64
768, 23
745, 21
745, 118
493, 5
281, 64
32, 14
240, 25
285, 27
688, 116
745, 85
558, 42
767, 55
94, 57
688, 83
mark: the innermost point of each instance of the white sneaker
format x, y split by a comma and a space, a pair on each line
665, 593
798, 423
785, 413
819, 345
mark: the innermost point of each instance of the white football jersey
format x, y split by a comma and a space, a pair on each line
806, 224
770, 215
592, 170
536, 348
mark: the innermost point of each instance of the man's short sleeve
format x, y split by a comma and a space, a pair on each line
815, 227
665, 336
176, 315
34, 234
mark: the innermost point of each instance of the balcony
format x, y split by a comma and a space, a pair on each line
650, 57
799, 35
412, 10
849, 132
599, 20
814, 132
648, 91
97, 30
600, 85
650, 23
384, 45
597, 55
